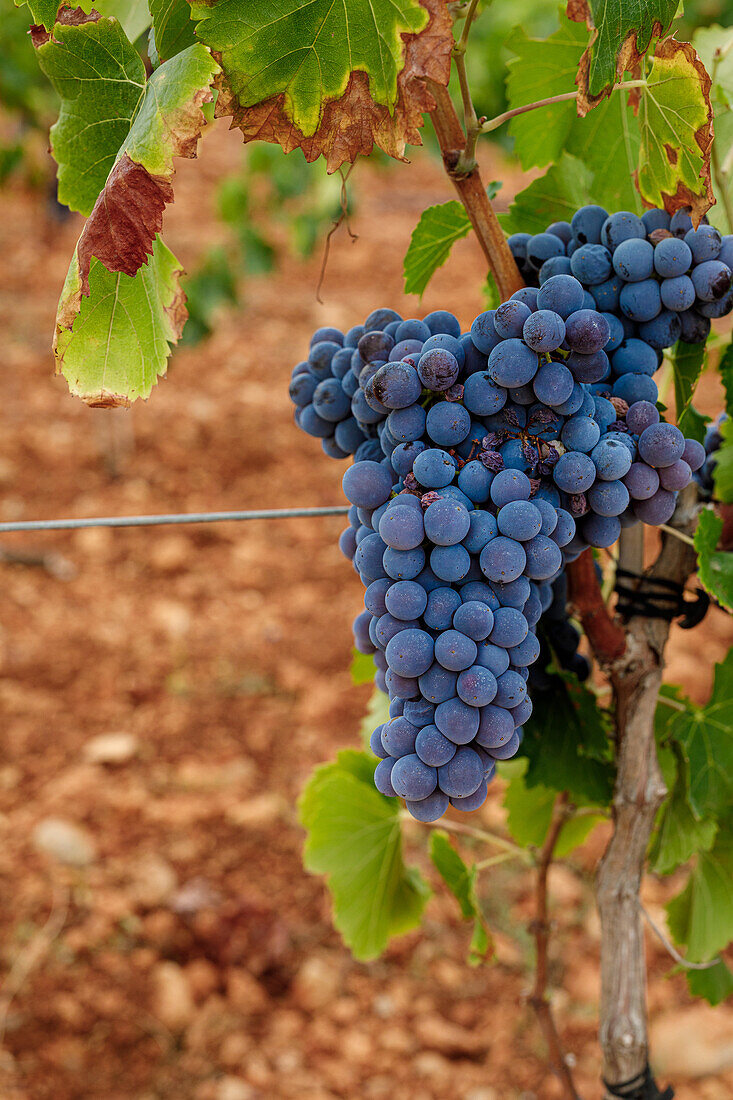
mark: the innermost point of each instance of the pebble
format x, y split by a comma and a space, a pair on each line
172, 1002
233, 1088
316, 983
111, 748
65, 841
695, 1042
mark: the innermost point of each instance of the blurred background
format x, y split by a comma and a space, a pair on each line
165, 693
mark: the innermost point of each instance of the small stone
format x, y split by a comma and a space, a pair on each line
65, 841
172, 1002
202, 977
261, 810
696, 1042
111, 748
244, 993
441, 1035
482, 1094
233, 1088
316, 983
154, 881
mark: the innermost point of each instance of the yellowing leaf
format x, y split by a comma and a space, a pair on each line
676, 122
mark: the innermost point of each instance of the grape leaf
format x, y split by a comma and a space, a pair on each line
331, 76
692, 424
701, 916
714, 567
553, 197
100, 78
362, 667
714, 985
432, 239
173, 28
679, 834
43, 12
723, 470
133, 15
621, 32
529, 811
705, 736
461, 881
566, 743
725, 368
688, 363
607, 142
112, 344
377, 714
676, 124
354, 838
713, 45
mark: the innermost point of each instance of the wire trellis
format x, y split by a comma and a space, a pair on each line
169, 519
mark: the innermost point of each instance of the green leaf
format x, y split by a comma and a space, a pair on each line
679, 834
692, 424
713, 44
529, 811
714, 985
723, 470
330, 77
112, 345
132, 15
354, 838
100, 78
701, 917
675, 120
431, 241
43, 12
173, 28
490, 293
362, 668
461, 881
688, 363
621, 33
553, 197
705, 734
607, 142
725, 368
714, 567
377, 714
566, 742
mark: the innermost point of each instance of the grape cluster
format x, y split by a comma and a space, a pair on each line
654, 278
484, 463
713, 443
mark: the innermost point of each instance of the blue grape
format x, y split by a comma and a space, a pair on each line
433, 747
482, 396
457, 720
678, 293
413, 780
509, 485
403, 456
397, 385
601, 531
633, 260
548, 515
314, 424
524, 654
543, 558
438, 369
455, 651
440, 320
389, 626
661, 445
588, 368
640, 301
574, 472
475, 619
511, 593
580, 433
605, 295
587, 331
591, 263
561, 294
636, 387
430, 808
617, 332
403, 565
347, 542
553, 384
712, 280
380, 318
462, 775
367, 484
621, 227
450, 563
410, 653
448, 423
506, 751
434, 468
502, 559
407, 351
510, 627
369, 556
413, 329
447, 343
406, 599
519, 520
476, 688
475, 800
438, 683
656, 509
375, 346
483, 334
512, 364
608, 498
402, 528
382, 777
672, 257
675, 477
511, 690
693, 454
612, 459
407, 425
442, 604
705, 243
641, 480
655, 219
475, 481
541, 247
556, 265
398, 737
634, 356
375, 744
374, 596
663, 330
587, 223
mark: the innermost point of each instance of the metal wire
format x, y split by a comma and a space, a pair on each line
166, 520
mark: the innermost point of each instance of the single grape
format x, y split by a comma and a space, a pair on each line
476, 688
412, 779
430, 808
454, 650
433, 747
502, 559
456, 720
462, 775
633, 260
438, 369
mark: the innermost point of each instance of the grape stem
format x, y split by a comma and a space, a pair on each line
541, 928
672, 950
677, 534
490, 124
483, 835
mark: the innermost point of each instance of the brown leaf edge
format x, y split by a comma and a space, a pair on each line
684, 198
69, 310
628, 56
68, 16
352, 124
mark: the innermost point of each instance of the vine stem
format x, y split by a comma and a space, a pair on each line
472, 193
483, 835
490, 124
541, 928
